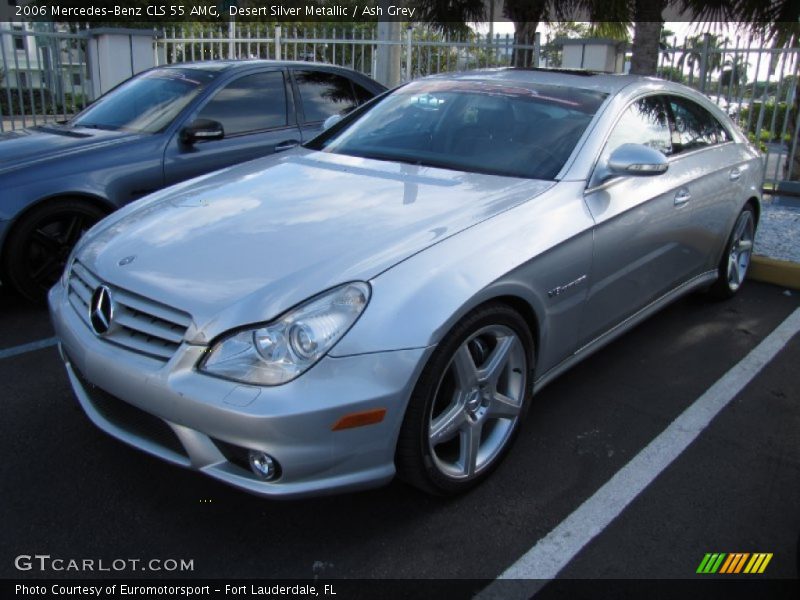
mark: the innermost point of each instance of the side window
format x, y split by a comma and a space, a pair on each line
693, 126
645, 122
250, 103
324, 94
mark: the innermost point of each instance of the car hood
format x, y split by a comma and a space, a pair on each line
249, 242
28, 146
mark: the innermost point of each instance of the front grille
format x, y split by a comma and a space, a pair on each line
140, 324
129, 418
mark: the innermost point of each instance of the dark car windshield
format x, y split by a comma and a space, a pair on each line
146, 103
485, 127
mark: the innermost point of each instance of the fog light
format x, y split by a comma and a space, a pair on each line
263, 465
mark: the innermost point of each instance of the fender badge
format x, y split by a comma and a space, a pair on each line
563, 288
127, 260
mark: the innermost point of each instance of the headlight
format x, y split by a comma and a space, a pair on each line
284, 349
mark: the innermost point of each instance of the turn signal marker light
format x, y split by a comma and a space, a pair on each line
360, 419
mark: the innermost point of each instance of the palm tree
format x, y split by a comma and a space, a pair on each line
700, 48
453, 15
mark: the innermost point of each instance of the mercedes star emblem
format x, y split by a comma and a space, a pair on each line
101, 310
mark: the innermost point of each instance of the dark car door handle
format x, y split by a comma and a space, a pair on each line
682, 197
286, 145
735, 174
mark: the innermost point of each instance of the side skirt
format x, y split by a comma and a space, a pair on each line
609, 336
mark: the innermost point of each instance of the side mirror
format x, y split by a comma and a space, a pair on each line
636, 160
331, 121
202, 130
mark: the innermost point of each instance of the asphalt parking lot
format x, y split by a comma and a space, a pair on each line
71, 491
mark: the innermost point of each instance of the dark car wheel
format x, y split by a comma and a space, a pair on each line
736, 258
465, 410
39, 244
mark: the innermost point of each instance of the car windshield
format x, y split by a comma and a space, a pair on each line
146, 103
518, 130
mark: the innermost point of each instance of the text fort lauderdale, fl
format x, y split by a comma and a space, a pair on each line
320, 11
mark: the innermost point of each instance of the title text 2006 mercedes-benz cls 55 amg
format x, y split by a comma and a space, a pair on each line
385, 299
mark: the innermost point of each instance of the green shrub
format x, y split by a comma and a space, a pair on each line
769, 111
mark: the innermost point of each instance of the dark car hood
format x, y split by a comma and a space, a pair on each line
36, 144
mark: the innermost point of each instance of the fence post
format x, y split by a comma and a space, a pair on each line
277, 42
388, 52
537, 48
409, 52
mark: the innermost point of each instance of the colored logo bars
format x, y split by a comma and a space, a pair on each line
737, 562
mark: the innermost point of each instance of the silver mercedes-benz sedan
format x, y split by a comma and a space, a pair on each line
385, 299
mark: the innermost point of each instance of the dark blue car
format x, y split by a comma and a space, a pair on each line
163, 126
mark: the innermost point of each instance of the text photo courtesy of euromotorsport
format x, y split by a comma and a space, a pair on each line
126, 589
56, 11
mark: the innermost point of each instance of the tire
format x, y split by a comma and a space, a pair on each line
736, 257
39, 244
465, 410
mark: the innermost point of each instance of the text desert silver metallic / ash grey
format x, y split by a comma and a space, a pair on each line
385, 299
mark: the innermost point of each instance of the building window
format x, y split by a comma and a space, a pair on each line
19, 40
76, 79
22, 79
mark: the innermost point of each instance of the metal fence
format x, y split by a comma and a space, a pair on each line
754, 84
45, 73
43, 76
423, 51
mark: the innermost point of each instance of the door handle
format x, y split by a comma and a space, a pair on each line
286, 145
682, 197
735, 174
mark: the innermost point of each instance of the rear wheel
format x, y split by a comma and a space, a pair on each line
736, 258
465, 411
39, 244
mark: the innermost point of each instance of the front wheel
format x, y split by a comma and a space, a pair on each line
38, 246
465, 410
736, 258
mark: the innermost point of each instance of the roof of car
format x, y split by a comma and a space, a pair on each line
589, 80
229, 65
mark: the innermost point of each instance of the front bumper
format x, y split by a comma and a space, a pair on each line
188, 418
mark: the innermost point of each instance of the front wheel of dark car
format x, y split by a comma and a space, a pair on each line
735, 260
466, 409
40, 242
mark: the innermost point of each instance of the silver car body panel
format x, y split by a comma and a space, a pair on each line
292, 421
376, 214
582, 261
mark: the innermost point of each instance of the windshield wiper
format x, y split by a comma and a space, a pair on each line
97, 126
417, 162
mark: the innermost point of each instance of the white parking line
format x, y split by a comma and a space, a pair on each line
554, 551
30, 347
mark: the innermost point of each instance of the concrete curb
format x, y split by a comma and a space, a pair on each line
778, 272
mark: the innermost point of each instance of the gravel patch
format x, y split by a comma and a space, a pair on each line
778, 234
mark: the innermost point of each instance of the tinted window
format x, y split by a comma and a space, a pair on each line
693, 126
362, 94
645, 122
250, 103
146, 103
500, 129
324, 94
